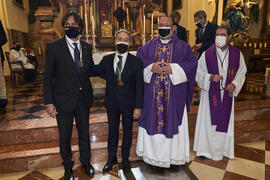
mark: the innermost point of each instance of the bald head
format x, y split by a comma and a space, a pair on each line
166, 20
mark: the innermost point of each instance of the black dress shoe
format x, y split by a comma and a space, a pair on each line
69, 174
202, 157
109, 165
88, 169
126, 166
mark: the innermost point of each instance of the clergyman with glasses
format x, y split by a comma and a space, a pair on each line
220, 75
169, 77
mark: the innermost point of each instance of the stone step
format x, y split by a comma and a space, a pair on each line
45, 129
44, 155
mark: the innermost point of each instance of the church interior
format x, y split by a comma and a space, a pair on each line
29, 137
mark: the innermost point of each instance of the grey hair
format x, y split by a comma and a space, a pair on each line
122, 30
200, 14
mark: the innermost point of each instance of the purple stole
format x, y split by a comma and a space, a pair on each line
221, 110
161, 89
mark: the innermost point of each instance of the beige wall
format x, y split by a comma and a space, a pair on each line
13, 17
189, 7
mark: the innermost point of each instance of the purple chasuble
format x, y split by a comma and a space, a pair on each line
221, 110
164, 102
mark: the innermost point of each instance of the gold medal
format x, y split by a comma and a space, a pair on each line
120, 83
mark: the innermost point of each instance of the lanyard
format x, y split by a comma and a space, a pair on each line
80, 61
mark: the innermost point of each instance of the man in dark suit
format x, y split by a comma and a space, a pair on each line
180, 30
205, 33
68, 91
124, 96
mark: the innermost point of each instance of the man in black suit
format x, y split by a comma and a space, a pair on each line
180, 30
68, 91
124, 96
205, 33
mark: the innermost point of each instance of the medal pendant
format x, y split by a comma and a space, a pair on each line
120, 83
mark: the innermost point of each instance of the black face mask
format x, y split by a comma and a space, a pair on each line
164, 32
198, 25
72, 32
122, 48
175, 23
17, 48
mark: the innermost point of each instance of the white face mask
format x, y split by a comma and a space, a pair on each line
221, 41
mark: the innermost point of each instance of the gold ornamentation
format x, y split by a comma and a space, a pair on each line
106, 29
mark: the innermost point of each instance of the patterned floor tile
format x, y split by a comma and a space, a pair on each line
267, 157
256, 145
233, 176
247, 168
249, 153
267, 172
35, 175
267, 145
205, 172
54, 173
217, 164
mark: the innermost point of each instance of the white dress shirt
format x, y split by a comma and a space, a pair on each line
116, 60
71, 47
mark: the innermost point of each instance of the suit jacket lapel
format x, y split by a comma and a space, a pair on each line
111, 64
126, 66
83, 46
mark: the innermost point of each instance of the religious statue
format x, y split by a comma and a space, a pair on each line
106, 29
234, 15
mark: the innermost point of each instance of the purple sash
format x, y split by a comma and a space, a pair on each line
221, 110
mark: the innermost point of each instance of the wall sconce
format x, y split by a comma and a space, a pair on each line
210, 1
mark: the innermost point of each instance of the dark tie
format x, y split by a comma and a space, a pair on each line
76, 60
76, 56
201, 33
119, 67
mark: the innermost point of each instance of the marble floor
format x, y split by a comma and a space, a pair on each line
252, 161
26, 130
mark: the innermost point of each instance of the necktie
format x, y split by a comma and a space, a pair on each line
76, 56
77, 59
201, 33
119, 67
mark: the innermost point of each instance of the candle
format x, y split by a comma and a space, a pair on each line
81, 11
39, 50
85, 16
93, 25
158, 20
143, 24
152, 24
127, 16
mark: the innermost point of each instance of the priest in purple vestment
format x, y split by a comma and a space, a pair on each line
220, 75
169, 75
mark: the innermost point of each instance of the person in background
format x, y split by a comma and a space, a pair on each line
3, 90
17, 55
205, 33
180, 30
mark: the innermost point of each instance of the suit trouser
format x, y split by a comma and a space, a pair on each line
127, 124
65, 125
